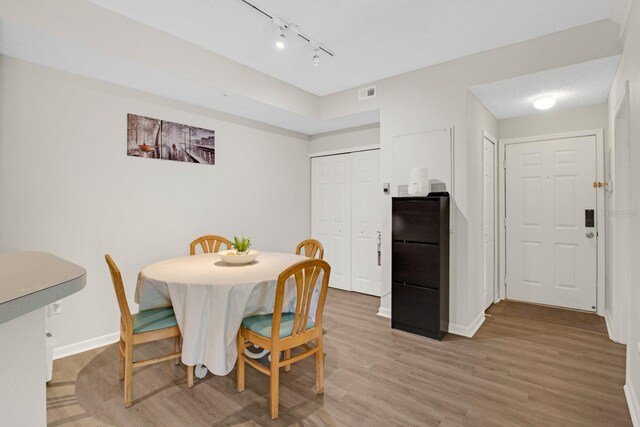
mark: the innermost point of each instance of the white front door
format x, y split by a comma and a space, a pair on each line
550, 250
365, 221
489, 214
330, 214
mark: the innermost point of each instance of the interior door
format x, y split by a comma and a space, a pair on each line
550, 244
330, 214
365, 221
489, 220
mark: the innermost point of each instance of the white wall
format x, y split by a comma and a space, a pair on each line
577, 119
629, 70
345, 139
68, 187
436, 97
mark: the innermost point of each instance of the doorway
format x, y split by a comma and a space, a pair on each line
346, 218
489, 219
552, 249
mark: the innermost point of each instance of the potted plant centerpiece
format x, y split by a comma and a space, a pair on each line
241, 245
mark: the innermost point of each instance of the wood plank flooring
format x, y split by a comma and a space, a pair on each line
526, 366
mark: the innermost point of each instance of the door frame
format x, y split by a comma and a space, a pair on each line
617, 325
496, 243
600, 229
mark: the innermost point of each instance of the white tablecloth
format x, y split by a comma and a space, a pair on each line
210, 299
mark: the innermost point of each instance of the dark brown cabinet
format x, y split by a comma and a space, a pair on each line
420, 265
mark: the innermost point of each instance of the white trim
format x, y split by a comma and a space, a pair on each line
467, 331
600, 227
608, 321
599, 135
619, 276
633, 404
384, 312
86, 345
345, 150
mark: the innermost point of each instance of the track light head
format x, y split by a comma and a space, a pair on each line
316, 58
280, 43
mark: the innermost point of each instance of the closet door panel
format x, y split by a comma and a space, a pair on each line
331, 214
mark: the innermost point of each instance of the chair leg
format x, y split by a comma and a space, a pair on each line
121, 353
176, 348
128, 374
287, 355
319, 367
190, 374
240, 364
274, 384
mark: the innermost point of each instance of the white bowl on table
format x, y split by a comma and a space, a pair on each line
231, 257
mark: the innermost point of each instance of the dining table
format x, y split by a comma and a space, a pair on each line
210, 298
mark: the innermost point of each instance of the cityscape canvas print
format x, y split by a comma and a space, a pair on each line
160, 139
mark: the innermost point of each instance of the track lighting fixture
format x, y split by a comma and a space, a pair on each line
292, 28
280, 43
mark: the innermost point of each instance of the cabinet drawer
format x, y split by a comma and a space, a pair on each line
415, 306
416, 264
416, 221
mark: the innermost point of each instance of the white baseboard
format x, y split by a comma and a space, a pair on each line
467, 331
608, 320
384, 312
86, 345
633, 404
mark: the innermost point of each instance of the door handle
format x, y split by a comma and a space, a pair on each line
590, 234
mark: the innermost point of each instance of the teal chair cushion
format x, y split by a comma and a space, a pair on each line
261, 324
154, 319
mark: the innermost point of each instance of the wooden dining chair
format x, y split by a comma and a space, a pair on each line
312, 248
282, 332
143, 327
209, 244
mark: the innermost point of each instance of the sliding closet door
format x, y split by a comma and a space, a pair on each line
331, 214
365, 221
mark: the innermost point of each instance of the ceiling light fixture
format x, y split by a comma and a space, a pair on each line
281, 39
290, 26
544, 103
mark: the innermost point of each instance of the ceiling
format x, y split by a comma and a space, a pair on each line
574, 86
372, 39
41, 47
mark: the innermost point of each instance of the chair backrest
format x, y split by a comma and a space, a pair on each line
305, 274
312, 248
118, 286
209, 244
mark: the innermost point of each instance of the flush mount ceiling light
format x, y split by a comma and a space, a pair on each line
544, 103
290, 26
